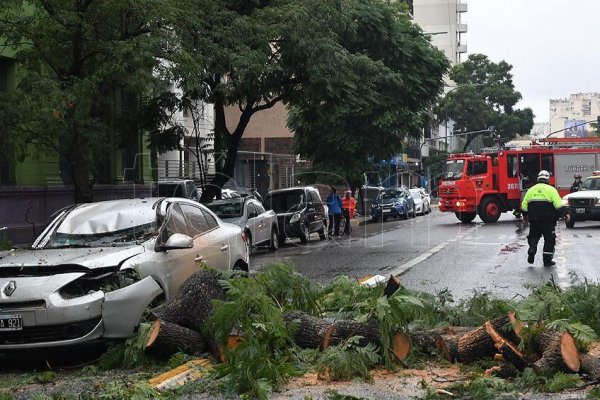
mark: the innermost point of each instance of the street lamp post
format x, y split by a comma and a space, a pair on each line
425, 140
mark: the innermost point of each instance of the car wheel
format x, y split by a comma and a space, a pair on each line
570, 224
249, 242
303, 234
465, 217
274, 239
321, 232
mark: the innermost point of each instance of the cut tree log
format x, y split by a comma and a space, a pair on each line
191, 305
477, 344
509, 351
590, 366
559, 352
427, 341
450, 347
167, 339
317, 333
503, 370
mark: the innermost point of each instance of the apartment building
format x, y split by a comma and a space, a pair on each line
569, 116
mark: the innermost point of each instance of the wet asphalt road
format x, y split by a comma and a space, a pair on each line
436, 251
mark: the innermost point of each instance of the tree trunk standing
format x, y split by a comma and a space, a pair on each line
79, 161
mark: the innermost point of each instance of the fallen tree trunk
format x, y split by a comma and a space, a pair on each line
477, 344
590, 366
502, 370
191, 305
559, 352
317, 333
450, 347
427, 341
509, 351
167, 339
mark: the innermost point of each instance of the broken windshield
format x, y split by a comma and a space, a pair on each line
454, 169
133, 235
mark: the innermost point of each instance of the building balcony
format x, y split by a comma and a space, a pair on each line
461, 28
461, 7
461, 48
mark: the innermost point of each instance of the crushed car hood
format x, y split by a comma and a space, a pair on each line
86, 257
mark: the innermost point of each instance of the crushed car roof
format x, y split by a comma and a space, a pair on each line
109, 216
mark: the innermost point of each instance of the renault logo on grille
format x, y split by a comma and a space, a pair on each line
9, 288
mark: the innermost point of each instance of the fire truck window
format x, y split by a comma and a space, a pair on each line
511, 166
548, 163
529, 167
476, 168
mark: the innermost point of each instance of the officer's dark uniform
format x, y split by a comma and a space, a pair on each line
542, 206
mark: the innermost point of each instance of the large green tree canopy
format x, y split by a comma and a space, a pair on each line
485, 96
80, 63
395, 76
333, 62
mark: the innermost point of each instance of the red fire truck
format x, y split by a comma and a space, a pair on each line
495, 181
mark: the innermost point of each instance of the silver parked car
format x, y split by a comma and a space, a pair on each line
249, 214
98, 266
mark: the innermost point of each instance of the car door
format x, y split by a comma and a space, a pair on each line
253, 223
174, 266
265, 221
210, 245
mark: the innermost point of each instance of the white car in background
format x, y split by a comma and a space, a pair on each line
422, 201
249, 214
98, 266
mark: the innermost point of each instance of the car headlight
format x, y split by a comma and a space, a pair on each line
598, 201
105, 279
295, 218
374, 205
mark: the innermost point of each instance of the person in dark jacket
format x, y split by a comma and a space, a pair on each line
542, 207
577, 184
334, 203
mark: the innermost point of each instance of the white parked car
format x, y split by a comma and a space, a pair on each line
98, 266
249, 214
422, 201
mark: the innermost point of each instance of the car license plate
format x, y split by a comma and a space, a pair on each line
580, 210
11, 322
387, 211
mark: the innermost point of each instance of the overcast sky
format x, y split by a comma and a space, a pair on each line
553, 45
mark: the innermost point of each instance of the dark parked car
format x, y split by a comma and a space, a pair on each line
300, 212
393, 202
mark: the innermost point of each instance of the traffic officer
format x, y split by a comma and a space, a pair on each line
542, 207
577, 184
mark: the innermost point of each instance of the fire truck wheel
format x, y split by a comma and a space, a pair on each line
489, 210
465, 217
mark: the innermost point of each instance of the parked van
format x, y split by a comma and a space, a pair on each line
300, 212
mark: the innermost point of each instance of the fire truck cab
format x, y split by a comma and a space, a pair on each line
495, 181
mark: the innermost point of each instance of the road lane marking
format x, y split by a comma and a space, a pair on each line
406, 266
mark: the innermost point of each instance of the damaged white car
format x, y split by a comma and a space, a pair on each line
97, 267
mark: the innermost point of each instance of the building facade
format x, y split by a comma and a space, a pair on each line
444, 21
570, 117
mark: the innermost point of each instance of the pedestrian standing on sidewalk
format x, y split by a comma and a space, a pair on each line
542, 207
334, 203
348, 207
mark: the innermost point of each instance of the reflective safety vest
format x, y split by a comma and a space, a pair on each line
541, 203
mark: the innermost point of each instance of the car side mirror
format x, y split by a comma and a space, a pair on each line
176, 241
